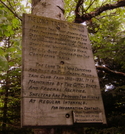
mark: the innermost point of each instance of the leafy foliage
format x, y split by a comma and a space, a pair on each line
106, 33
10, 65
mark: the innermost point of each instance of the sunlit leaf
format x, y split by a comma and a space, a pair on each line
3, 63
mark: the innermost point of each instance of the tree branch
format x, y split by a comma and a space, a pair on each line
90, 5
10, 5
11, 10
98, 11
121, 74
77, 11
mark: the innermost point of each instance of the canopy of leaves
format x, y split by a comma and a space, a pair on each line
107, 35
10, 65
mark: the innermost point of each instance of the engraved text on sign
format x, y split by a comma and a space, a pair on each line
59, 80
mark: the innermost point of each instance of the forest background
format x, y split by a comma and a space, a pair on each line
105, 20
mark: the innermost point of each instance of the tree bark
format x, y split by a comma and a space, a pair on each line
5, 109
51, 9
115, 73
48, 8
98, 11
44, 131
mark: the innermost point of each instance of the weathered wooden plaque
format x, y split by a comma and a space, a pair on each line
59, 80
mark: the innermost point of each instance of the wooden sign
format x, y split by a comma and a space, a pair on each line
59, 79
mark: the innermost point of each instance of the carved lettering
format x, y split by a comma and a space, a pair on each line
40, 82
58, 74
39, 95
49, 101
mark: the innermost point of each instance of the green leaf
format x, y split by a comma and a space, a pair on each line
9, 27
7, 33
1, 52
15, 22
3, 64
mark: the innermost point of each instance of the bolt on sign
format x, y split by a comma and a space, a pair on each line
59, 79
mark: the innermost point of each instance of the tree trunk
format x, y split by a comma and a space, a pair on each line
48, 8
5, 108
52, 9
